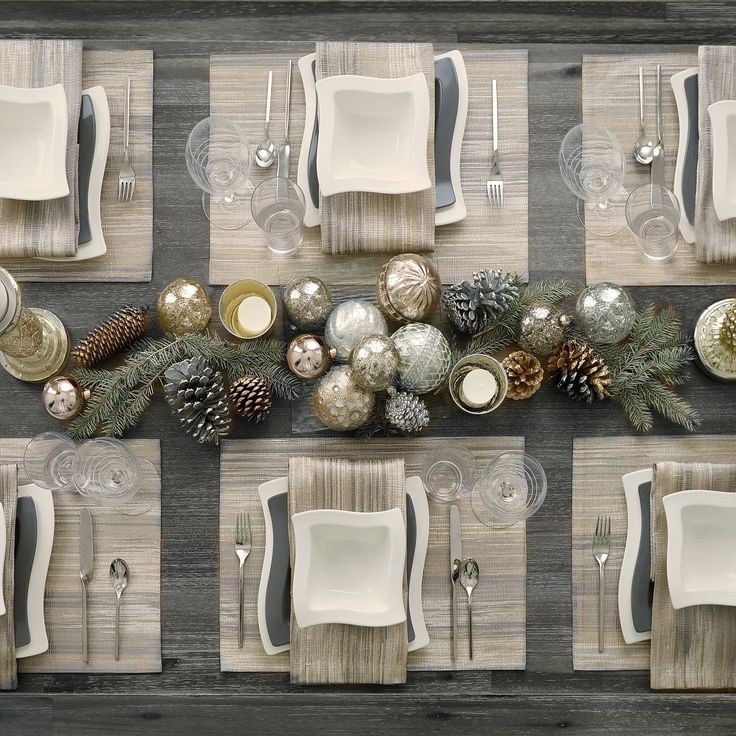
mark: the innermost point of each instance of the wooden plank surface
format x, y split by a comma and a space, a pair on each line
548, 696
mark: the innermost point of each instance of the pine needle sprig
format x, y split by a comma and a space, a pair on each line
648, 366
119, 397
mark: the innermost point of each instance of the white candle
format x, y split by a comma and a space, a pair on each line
253, 315
479, 388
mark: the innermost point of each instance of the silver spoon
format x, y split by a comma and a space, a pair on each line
119, 580
644, 145
265, 150
469, 572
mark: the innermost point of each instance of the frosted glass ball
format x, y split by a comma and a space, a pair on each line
349, 322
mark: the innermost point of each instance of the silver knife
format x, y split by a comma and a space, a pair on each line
456, 555
283, 156
86, 565
658, 160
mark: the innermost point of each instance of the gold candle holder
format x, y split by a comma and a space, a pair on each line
34, 344
230, 304
462, 370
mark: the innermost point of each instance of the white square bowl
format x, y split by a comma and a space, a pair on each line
373, 134
33, 143
349, 567
701, 548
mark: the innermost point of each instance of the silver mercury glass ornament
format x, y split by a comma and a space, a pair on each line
350, 321
34, 344
375, 362
605, 313
425, 357
715, 355
307, 303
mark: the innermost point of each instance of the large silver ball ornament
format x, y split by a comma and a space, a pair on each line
425, 357
542, 329
307, 303
339, 403
605, 313
350, 321
409, 288
375, 362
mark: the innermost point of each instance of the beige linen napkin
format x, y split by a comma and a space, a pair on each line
365, 222
46, 228
338, 653
715, 240
693, 648
8, 499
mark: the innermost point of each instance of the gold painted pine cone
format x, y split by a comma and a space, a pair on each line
525, 374
728, 329
251, 397
579, 371
119, 330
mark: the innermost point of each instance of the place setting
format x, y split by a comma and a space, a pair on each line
461, 121
76, 195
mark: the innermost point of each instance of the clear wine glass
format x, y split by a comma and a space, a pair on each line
510, 489
593, 165
106, 471
218, 160
48, 460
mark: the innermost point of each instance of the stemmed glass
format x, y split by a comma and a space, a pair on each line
593, 164
218, 160
510, 489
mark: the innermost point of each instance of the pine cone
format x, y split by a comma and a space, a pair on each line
579, 371
472, 305
197, 394
251, 397
728, 329
115, 333
407, 412
525, 374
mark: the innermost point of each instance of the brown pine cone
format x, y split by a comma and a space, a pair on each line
119, 330
579, 371
525, 374
251, 397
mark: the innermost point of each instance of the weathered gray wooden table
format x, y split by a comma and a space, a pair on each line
191, 695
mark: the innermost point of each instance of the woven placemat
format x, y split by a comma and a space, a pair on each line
611, 98
598, 464
137, 539
496, 237
128, 228
499, 601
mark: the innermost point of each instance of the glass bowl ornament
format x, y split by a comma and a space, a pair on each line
350, 321
425, 357
605, 313
307, 303
375, 362
339, 403
409, 288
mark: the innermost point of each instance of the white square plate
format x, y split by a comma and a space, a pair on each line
701, 548
373, 134
349, 567
33, 142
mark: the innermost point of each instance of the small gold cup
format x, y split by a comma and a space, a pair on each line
231, 299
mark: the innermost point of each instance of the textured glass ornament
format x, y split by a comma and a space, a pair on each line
425, 357
409, 288
307, 303
605, 313
184, 307
339, 403
350, 321
375, 362
542, 329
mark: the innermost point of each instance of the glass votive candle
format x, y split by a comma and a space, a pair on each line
653, 214
248, 309
278, 209
478, 384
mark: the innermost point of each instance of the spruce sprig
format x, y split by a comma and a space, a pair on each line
119, 397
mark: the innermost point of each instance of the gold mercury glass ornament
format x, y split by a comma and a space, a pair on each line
63, 397
309, 356
339, 403
34, 344
183, 307
409, 288
712, 340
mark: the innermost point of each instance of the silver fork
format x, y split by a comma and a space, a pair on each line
601, 547
242, 550
126, 178
494, 185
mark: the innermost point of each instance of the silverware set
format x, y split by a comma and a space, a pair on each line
266, 152
648, 151
242, 550
494, 185
119, 578
601, 549
464, 572
126, 177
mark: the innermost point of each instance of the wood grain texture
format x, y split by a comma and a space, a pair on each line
191, 694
